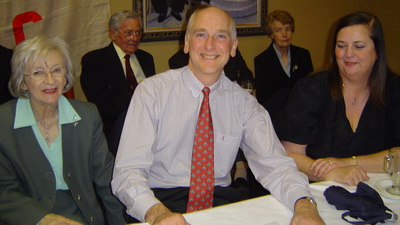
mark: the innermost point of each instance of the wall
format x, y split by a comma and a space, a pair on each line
313, 20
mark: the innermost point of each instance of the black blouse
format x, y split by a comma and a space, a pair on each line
312, 117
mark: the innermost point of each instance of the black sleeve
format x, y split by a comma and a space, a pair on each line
178, 60
393, 104
303, 111
5, 73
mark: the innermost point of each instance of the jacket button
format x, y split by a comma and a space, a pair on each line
91, 219
79, 197
69, 175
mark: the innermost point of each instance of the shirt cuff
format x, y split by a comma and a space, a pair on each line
142, 205
296, 196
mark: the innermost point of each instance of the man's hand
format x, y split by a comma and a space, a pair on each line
158, 214
53, 219
306, 213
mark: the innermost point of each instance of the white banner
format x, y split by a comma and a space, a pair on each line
83, 24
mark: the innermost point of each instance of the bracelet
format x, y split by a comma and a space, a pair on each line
309, 199
355, 159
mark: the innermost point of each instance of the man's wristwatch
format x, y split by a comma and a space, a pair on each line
311, 200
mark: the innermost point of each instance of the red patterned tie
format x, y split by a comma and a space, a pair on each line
129, 73
202, 172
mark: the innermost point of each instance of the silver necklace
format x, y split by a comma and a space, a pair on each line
47, 127
354, 101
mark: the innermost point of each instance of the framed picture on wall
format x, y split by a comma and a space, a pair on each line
164, 20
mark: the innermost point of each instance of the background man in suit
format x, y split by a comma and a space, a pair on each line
280, 65
5, 73
104, 80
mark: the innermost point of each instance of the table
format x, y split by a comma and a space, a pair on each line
267, 210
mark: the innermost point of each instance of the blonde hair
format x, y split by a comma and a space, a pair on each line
32, 50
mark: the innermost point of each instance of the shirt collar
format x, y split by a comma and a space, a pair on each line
121, 54
278, 53
24, 115
195, 86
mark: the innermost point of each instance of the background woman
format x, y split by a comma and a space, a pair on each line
279, 67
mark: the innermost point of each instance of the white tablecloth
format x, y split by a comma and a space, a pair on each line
267, 210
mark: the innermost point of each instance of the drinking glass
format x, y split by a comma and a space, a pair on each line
392, 167
247, 85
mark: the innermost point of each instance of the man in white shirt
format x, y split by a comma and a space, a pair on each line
155, 152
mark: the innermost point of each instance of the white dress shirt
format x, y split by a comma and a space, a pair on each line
137, 69
157, 139
285, 68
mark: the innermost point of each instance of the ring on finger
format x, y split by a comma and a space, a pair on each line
330, 162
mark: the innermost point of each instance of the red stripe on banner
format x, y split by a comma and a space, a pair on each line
19, 21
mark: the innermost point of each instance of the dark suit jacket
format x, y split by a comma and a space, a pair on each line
104, 83
271, 82
27, 182
5, 73
235, 69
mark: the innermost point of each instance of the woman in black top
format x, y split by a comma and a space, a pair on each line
338, 124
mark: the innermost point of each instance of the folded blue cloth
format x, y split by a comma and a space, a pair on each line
365, 204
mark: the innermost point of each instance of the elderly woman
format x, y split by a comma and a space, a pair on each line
280, 65
55, 167
339, 123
